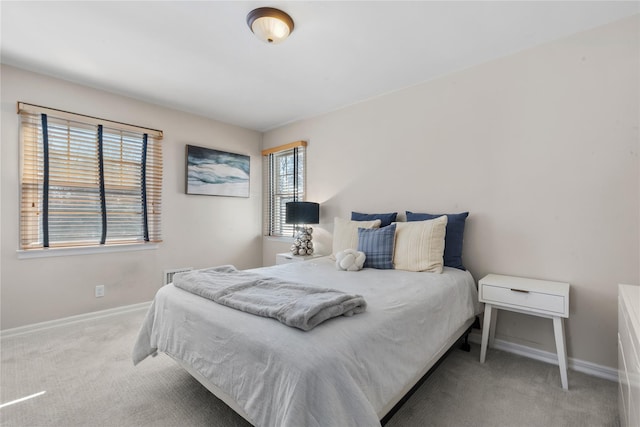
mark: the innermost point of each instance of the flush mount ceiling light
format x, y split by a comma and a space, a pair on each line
269, 24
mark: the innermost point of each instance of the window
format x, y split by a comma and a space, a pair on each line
87, 181
284, 181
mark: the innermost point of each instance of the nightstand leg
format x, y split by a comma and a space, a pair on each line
486, 325
558, 330
492, 328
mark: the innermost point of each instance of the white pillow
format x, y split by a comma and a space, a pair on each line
420, 245
345, 233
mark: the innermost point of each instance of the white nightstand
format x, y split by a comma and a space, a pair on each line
536, 297
286, 258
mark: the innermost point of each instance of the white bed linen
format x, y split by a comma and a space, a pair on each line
343, 372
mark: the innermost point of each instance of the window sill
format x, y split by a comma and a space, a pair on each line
84, 250
279, 239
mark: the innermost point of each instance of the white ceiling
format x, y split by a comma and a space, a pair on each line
200, 56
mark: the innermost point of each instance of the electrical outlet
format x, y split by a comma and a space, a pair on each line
99, 291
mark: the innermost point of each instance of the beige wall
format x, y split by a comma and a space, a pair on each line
541, 147
198, 231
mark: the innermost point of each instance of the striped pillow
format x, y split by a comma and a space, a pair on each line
454, 236
420, 245
377, 244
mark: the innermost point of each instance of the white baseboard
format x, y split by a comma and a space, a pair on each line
583, 366
22, 330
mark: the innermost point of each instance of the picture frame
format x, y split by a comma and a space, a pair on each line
212, 172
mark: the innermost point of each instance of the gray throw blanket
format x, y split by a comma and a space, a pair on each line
300, 306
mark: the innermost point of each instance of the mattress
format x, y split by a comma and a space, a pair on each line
346, 371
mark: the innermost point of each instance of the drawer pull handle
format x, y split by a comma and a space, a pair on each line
520, 290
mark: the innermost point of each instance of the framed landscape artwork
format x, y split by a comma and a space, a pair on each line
216, 173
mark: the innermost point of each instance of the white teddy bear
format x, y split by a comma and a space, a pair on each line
350, 260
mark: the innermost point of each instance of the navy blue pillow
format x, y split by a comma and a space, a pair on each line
453, 238
385, 219
377, 244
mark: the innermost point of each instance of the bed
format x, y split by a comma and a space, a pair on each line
346, 371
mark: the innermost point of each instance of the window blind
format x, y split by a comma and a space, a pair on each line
284, 178
87, 181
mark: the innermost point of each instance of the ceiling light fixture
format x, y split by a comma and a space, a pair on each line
269, 24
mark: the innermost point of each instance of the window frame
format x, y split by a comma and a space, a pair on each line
136, 175
283, 185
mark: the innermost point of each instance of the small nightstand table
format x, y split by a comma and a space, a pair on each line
529, 296
286, 258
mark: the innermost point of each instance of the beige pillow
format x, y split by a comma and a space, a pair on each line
345, 233
420, 245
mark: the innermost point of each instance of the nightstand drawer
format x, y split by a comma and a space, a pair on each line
526, 300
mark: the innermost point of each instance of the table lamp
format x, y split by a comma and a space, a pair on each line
301, 214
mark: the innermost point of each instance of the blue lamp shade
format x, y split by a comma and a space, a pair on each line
302, 213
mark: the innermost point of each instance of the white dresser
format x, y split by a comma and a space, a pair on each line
629, 355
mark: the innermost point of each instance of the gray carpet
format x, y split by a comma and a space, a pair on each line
89, 380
